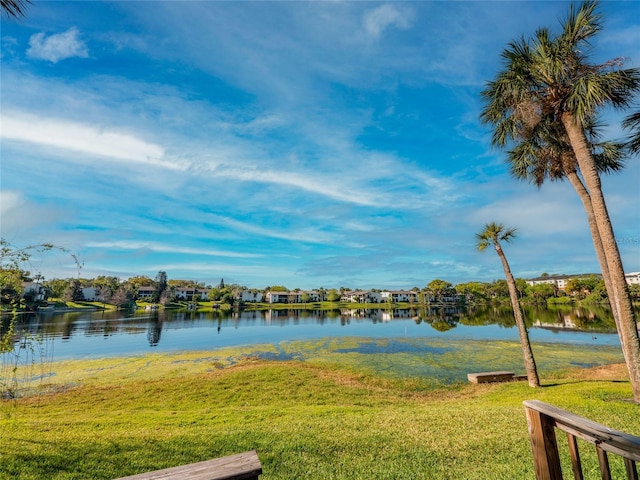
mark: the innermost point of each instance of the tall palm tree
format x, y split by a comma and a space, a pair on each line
550, 79
544, 153
493, 234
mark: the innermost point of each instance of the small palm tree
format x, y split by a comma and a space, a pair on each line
493, 234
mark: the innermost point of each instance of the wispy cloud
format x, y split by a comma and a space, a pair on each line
161, 248
19, 214
302, 234
317, 140
82, 138
56, 47
377, 20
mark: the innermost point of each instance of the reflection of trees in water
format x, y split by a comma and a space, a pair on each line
155, 330
594, 318
441, 319
489, 315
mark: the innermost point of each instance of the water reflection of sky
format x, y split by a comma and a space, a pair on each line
100, 335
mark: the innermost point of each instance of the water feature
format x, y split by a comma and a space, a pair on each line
75, 335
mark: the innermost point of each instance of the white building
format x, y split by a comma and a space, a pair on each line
283, 297
633, 278
248, 296
295, 297
560, 281
315, 296
400, 296
361, 297
145, 292
35, 289
188, 293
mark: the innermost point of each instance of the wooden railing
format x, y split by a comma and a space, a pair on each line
543, 419
243, 466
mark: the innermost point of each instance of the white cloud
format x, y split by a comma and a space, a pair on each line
9, 200
156, 247
57, 47
81, 138
19, 214
376, 21
310, 235
318, 184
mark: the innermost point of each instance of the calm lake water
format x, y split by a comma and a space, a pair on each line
78, 335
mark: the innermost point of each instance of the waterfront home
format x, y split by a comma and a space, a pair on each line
360, 296
283, 297
189, 293
296, 296
34, 289
248, 296
633, 278
560, 281
314, 296
145, 293
400, 296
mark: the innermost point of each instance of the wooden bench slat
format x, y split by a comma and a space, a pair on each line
489, 377
243, 466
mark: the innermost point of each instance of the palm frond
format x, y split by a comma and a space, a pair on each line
609, 156
14, 8
632, 122
581, 24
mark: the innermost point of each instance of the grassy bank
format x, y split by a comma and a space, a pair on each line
323, 418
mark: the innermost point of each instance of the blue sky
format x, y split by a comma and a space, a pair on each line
305, 144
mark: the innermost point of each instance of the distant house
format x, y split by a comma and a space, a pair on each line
145, 293
360, 296
632, 278
399, 296
284, 297
248, 296
315, 296
560, 281
188, 293
35, 289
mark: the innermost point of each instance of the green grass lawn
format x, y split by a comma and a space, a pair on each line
326, 417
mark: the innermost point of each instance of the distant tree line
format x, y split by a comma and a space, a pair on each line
112, 290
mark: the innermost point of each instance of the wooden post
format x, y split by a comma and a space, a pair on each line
575, 457
632, 471
603, 460
544, 446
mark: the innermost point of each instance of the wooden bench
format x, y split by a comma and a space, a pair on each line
243, 466
490, 377
543, 419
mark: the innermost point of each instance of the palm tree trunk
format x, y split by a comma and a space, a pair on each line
582, 192
619, 293
527, 353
